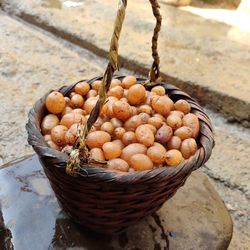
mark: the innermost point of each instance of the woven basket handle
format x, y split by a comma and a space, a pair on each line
76, 155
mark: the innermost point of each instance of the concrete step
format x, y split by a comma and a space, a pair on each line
197, 54
32, 62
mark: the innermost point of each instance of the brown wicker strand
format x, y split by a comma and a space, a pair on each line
154, 74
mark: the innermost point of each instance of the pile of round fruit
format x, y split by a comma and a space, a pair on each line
137, 129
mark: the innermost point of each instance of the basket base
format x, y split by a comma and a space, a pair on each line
36, 221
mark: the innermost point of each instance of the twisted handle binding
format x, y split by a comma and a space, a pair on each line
80, 152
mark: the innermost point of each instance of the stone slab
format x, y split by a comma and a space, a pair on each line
195, 218
201, 56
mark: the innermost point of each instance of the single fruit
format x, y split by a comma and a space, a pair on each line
191, 121
176, 112
128, 81
92, 93
144, 117
118, 164
129, 138
188, 147
136, 94
119, 132
58, 134
174, 121
49, 122
68, 120
96, 85
174, 142
121, 110
115, 82
96, 139
144, 135
162, 104
183, 132
90, 104
132, 123
183, 106
155, 121
159, 90
173, 157
145, 109
107, 127
116, 91
157, 154
96, 154
141, 162
132, 149
77, 101
82, 88
111, 150
71, 135
164, 134
55, 102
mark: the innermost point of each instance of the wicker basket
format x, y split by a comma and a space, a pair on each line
105, 200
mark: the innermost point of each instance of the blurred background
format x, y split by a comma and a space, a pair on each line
204, 47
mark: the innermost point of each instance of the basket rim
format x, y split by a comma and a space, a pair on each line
59, 159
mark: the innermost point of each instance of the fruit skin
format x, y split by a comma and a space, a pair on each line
111, 150
82, 88
136, 94
188, 147
174, 121
162, 105
128, 81
132, 123
96, 85
164, 134
90, 104
49, 122
131, 149
71, 135
77, 101
183, 132
183, 106
141, 162
121, 110
144, 135
55, 102
128, 138
96, 139
174, 142
116, 91
119, 132
118, 164
107, 127
191, 120
155, 121
58, 135
68, 120
159, 90
157, 153
173, 157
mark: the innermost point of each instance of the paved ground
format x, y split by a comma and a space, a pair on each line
33, 61
194, 51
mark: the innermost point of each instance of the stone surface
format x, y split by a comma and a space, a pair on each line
32, 62
195, 218
199, 55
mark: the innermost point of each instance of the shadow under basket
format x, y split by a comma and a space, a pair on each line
108, 201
